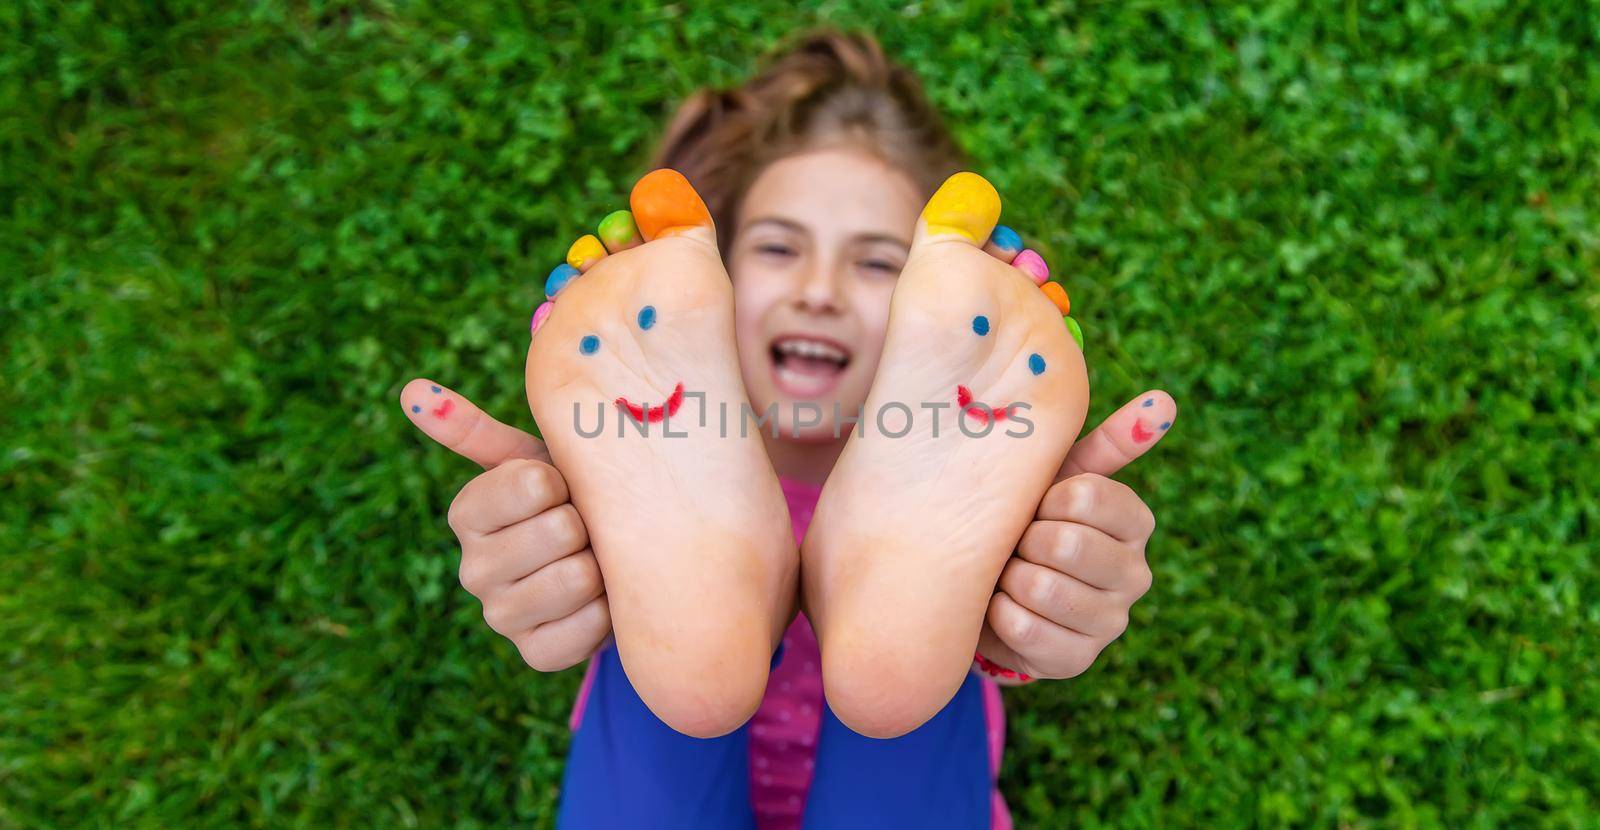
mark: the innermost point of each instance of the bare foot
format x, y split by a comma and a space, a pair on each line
911, 532
690, 528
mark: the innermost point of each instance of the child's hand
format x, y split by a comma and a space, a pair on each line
524, 551
1080, 566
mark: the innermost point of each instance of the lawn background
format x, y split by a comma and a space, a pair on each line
1359, 244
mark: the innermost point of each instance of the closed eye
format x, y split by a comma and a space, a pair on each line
775, 250
881, 266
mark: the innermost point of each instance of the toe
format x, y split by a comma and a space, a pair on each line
559, 277
1057, 295
1029, 262
618, 231
585, 252
665, 204
1004, 244
965, 207
1076, 331
539, 316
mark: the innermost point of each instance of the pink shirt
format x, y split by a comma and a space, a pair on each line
783, 732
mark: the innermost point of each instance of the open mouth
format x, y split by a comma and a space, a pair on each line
804, 366
654, 414
978, 410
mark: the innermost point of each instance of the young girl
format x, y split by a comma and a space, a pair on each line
814, 173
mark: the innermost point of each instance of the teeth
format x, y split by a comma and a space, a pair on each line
811, 349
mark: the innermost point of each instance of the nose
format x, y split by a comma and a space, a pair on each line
819, 287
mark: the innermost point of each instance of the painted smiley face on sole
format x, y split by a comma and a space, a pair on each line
982, 412
689, 526
911, 532
589, 344
654, 414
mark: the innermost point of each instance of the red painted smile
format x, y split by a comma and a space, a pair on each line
654, 414
977, 410
1140, 434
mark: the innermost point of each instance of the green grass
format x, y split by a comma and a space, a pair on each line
1360, 246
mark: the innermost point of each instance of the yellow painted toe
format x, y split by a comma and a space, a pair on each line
966, 204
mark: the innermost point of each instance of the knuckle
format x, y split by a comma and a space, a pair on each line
1117, 622
565, 528
458, 506
1143, 578
473, 574
1148, 517
497, 616
542, 483
1083, 494
575, 575
1021, 630
1068, 547
1044, 589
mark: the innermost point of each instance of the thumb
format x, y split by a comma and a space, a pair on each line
1127, 434
463, 428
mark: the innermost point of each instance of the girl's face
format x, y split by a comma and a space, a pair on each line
820, 238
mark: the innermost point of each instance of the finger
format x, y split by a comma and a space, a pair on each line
452, 420
500, 558
1067, 602
991, 647
1041, 648
513, 492
550, 593
1085, 554
566, 642
1101, 503
1129, 433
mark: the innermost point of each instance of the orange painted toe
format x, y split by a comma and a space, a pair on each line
1057, 295
665, 203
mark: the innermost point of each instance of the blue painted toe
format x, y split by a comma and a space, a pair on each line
1006, 239
558, 279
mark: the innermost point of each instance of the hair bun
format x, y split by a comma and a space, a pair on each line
825, 86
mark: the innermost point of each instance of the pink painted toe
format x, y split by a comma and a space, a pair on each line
1033, 265
539, 315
